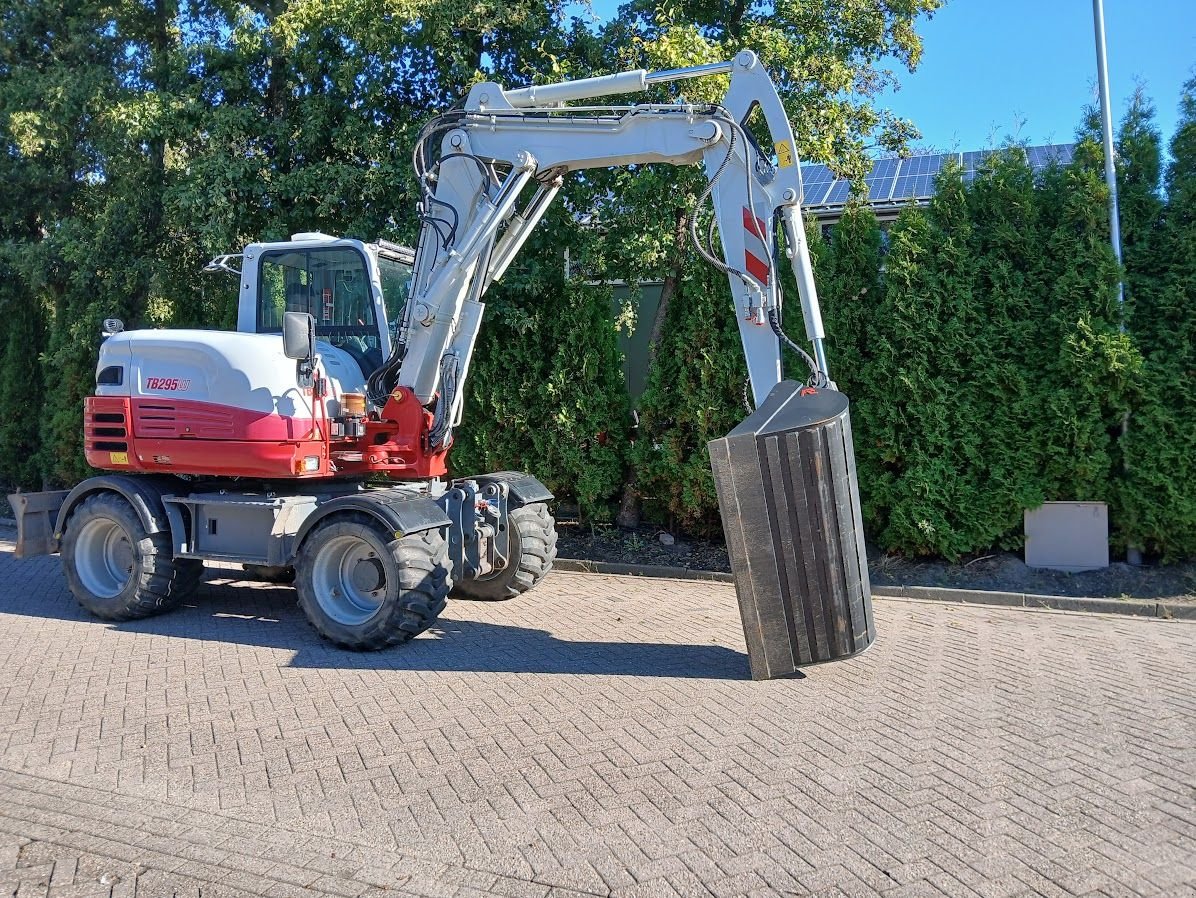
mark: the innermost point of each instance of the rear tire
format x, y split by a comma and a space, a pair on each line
533, 550
118, 571
365, 590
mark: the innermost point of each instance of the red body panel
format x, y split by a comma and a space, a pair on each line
208, 439
189, 419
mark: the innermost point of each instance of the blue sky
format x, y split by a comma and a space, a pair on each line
993, 69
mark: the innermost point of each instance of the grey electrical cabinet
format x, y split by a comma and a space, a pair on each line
790, 508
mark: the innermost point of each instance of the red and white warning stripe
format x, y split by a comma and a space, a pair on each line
755, 247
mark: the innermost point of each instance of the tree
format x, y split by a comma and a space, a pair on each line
1008, 355
60, 81
923, 454
156, 135
849, 288
824, 58
1140, 205
1156, 507
1090, 366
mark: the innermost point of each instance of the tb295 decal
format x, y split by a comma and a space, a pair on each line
167, 383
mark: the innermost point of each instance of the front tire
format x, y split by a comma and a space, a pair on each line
365, 590
118, 571
533, 550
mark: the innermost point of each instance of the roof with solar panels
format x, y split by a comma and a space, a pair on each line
896, 183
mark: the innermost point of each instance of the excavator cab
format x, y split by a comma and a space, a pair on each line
356, 292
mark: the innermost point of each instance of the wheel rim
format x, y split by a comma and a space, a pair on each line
104, 557
349, 580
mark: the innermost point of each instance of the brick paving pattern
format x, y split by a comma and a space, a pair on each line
599, 736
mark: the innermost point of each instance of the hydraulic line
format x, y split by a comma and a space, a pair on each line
817, 378
710, 257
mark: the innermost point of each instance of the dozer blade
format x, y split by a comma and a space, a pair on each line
790, 508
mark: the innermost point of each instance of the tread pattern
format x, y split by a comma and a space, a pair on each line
534, 529
418, 561
161, 582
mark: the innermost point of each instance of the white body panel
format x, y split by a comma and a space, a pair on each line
243, 371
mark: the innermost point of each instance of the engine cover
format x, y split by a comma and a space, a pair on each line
212, 402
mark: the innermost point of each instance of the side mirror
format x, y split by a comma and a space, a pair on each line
298, 335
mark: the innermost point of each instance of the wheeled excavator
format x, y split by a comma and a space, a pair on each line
313, 441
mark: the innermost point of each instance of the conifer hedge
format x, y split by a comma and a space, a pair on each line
989, 363
980, 339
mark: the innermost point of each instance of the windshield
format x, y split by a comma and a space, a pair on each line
396, 283
330, 284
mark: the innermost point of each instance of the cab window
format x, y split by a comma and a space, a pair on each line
332, 285
396, 282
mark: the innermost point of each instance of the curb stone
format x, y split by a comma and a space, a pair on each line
1128, 607
663, 571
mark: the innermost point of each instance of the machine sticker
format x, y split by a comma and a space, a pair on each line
118, 458
755, 262
784, 154
167, 383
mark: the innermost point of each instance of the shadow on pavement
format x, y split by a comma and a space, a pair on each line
237, 612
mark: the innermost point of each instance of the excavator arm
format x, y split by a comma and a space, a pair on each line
501, 160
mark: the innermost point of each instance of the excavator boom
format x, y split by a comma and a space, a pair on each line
504, 144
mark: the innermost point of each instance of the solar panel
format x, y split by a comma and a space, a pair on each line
879, 191
972, 160
816, 174
838, 193
884, 168
880, 180
816, 182
903, 189
894, 180
1041, 157
815, 195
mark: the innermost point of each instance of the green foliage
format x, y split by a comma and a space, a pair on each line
547, 392
921, 443
148, 138
980, 340
21, 393
847, 270
695, 394
1156, 502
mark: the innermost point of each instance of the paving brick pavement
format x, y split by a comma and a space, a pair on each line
599, 736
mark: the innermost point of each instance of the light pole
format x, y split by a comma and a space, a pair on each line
1106, 118
1132, 555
